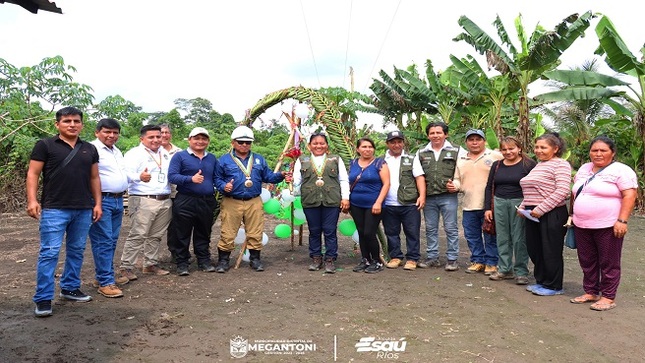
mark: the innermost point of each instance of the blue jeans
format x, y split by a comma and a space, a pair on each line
482, 250
54, 224
410, 218
444, 205
322, 220
104, 235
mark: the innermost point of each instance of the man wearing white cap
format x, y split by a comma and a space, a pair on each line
193, 171
240, 174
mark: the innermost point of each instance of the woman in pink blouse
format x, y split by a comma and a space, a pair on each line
605, 193
545, 191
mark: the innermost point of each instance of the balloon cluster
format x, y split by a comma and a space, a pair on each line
282, 206
347, 227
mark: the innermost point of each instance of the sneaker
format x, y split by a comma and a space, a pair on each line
544, 291
110, 291
126, 273
410, 265
330, 268
522, 280
451, 265
475, 268
374, 268
489, 270
155, 270
498, 276
207, 267
429, 262
121, 280
43, 309
75, 295
532, 287
394, 263
183, 271
361, 266
316, 263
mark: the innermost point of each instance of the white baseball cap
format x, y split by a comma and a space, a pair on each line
199, 131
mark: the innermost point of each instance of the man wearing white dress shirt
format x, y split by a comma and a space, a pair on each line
104, 234
149, 204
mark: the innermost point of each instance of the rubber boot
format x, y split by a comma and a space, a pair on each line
256, 264
223, 261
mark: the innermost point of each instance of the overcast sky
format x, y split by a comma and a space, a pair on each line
233, 53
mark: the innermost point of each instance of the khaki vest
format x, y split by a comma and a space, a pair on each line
314, 196
438, 172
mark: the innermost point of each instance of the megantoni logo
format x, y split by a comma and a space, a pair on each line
384, 348
239, 347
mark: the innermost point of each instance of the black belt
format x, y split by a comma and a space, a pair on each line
244, 199
157, 197
113, 195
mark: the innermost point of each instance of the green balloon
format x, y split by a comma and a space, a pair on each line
272, 206
298, 222
282, 230
347, 227
297, 203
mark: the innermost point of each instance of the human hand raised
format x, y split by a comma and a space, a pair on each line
198, 178
145, 176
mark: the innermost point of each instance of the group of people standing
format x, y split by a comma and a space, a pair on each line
525, 200
82, 195
84, 185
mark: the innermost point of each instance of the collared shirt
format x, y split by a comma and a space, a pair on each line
471, 176
343, 179
111, 168
228, 169
394, 165
416, 164
141, 158
185, 164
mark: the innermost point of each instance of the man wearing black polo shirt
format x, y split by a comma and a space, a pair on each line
70, 203
193, 171
149, 204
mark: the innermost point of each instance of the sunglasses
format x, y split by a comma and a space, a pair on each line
244, 142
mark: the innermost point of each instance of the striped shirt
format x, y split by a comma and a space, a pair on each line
547, 186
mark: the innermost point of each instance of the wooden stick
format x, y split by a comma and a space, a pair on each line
239, 258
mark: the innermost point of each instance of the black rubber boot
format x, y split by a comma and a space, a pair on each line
223, 261
256, 264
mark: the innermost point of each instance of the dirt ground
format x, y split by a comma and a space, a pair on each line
288, 314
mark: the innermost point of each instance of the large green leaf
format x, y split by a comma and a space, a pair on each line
482, 42
618, 55
584, 78
578, 93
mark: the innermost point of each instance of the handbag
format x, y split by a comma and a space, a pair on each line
489, 227
570, 237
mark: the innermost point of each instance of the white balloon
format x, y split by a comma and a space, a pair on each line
302, 110
355, 236
241, 236
296, 232
265, 239
246, 257
287, 196
265, 195
299, 213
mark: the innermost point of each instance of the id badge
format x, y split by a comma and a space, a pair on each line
161, 178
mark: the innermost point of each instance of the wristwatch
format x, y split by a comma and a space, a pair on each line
621, 221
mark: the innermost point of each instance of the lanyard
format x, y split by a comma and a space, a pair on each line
245, 169
155, 160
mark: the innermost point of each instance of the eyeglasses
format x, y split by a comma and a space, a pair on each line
244, 142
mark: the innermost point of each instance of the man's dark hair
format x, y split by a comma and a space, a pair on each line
67, 111
147, 128
108, 123
443, 126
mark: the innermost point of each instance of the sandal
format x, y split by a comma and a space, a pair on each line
603, 305
582, 299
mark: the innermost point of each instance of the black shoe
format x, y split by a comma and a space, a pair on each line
374, 268
361, 266
75, 295
207, 267
257, 265
222, 266
183, 271
43, 309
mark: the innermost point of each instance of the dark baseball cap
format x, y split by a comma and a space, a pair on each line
477, 132
394, 135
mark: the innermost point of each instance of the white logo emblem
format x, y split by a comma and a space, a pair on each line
384, 348
239, 347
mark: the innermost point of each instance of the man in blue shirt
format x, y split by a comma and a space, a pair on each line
240, 175
193, 171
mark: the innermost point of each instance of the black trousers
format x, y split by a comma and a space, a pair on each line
544, 242
193, 217
367, 226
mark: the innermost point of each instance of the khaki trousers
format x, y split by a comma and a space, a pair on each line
233, 213
149, 219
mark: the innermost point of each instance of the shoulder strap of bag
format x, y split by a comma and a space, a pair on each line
573, 197
69, 157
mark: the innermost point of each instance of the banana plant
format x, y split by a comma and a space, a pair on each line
537, 53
